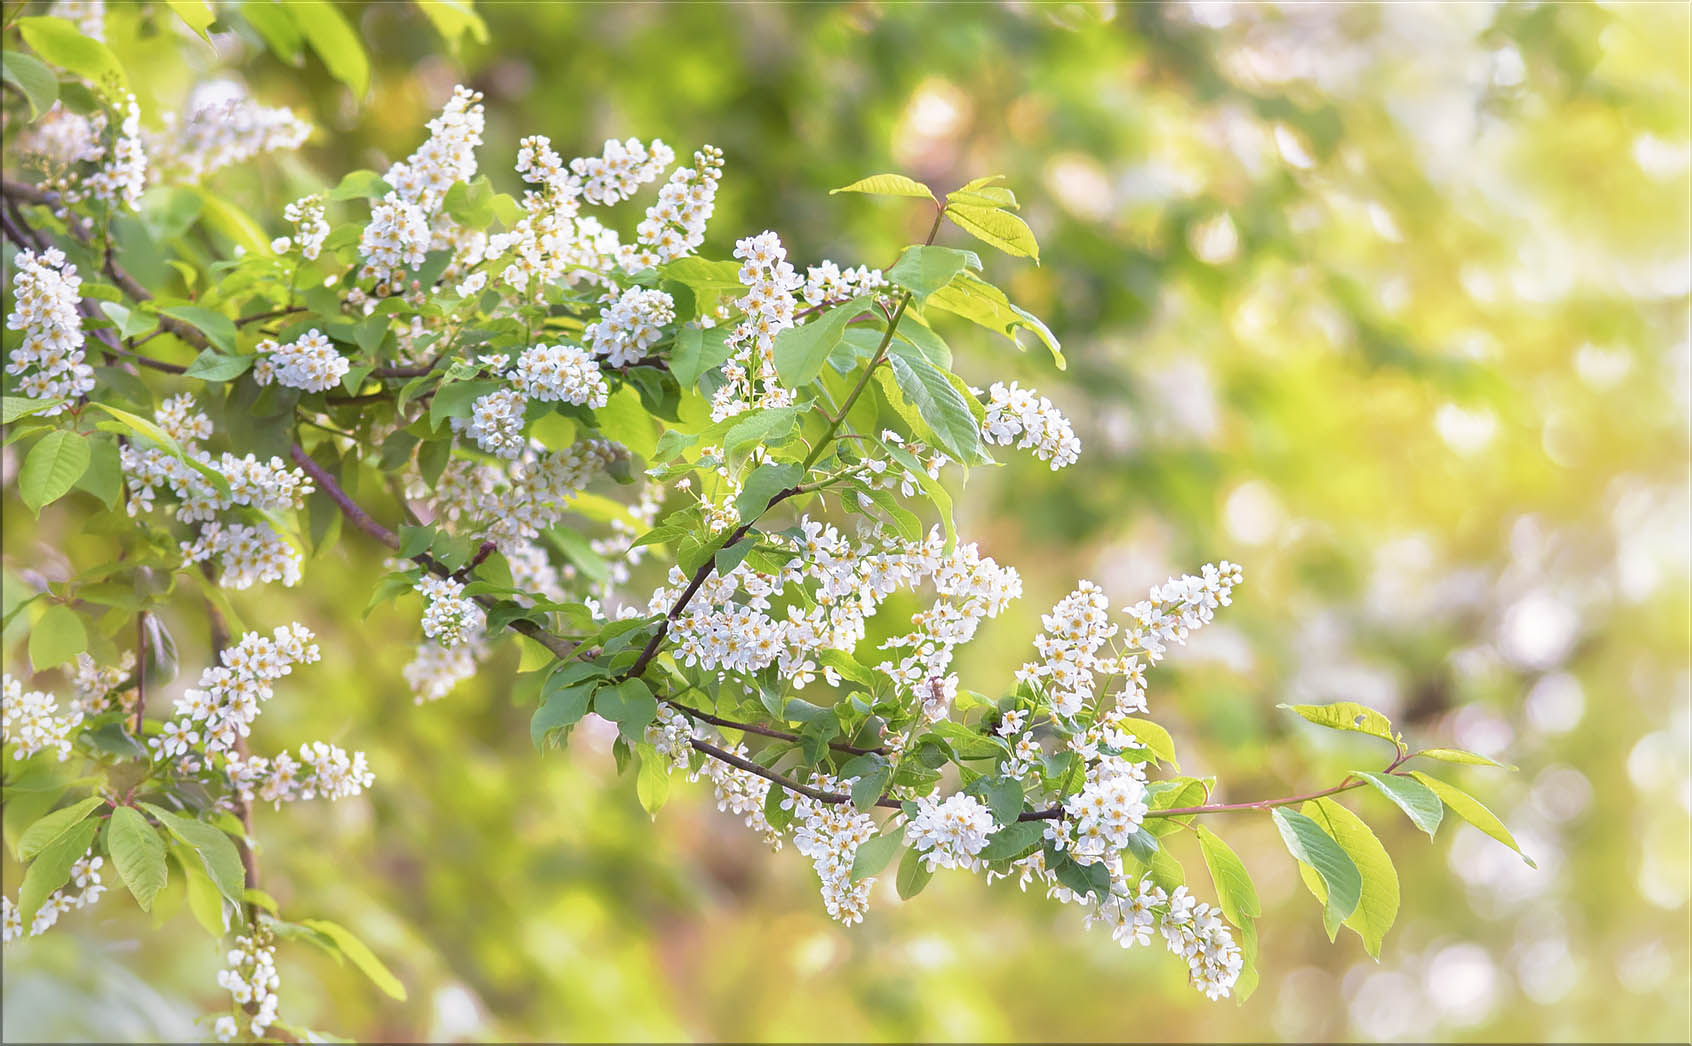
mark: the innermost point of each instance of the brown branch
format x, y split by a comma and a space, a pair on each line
762, 731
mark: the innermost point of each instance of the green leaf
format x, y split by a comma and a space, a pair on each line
52, 867
770, 425
922, 270
61, 43
327, 31
212, 365
1418, 803
874, 855
204, 900
197, 15
41, 834
360, 185
629, 704
561, 706
279, 32
1458, 755
1234, 889
981, 303
138, 853
1473, 811
360, 954
1308, 843
698, 351
14, 407
1001, 229
1003, 795
935, 490
104, 476
913, 874
232, 222
222, 861
56, 637
1154, 737
800, 352
453, 18
35, 80
1015, 840
1378, 905
887, 185
764, 483
52, 468
652, 783
936, 401
1347, 715
456, 399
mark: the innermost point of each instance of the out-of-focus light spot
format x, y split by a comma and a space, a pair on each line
1657, 761
1508, 69
1181, 401
1660, 158
458, 1013
1645, 966
1252, 513
815, 953
1079, 184
1538, 631
1602, 368
1291, 145
1303, 1005
1560, 794
1462, 980
1389, 1005
1214, 241
1465, 431
1556, 703
1384, 223
1545, 968
930, 951
937, 113
1478, 283
1480, 730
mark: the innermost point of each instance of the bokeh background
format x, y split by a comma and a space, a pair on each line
1387, 303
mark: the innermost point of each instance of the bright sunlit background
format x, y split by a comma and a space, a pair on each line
1388, 304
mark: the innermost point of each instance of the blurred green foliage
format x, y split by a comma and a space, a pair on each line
1387, 303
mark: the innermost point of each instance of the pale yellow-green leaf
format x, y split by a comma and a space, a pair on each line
1473, 811
999, 228
887, 185
1378, 905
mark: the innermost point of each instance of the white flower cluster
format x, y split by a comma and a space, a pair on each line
122, 178
1179, 607
309, 217
630, 325
49, 360
449, 617
85, 876
496, 423
738, 792
830, 834
949, 834
309, 362
1075, 631
220, 133
89, 16
220, 710
829, 284
80, 163
561, 372
750, 378
406, 223
1018, 412
246, 554
322, 770
675, 226
435, 669
511, 505
1107, 812
32, 722
621, 169
730, 626
96, 687
251, 980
